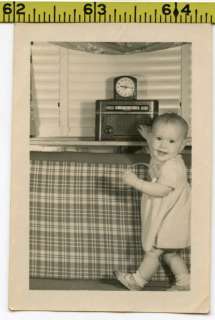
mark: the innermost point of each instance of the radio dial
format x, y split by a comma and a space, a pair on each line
108, 130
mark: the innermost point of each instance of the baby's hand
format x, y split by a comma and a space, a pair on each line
144, 131
128, 177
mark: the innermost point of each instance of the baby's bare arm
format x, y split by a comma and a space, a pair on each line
145, 132
150, 188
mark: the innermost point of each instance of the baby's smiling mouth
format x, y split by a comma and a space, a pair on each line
161, 153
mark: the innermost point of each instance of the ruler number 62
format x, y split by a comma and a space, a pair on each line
8, 8
166, 9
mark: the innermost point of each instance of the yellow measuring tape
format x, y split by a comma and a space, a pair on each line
106, 12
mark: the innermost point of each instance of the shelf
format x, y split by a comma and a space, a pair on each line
82, 145
67, 141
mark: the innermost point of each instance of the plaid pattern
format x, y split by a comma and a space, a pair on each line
84, 223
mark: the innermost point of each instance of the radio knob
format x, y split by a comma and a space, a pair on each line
108, 130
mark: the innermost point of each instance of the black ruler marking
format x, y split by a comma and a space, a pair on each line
125, 17
160, 19
130, 18
69, 17
54, 13
44, 16
114, 17
34, 15
201, 18
74, 15
135, 13
120, 18
9, 18
196, 16
14, 12
145, 17
110, 17
155, 14
49, 16
79, 18
206, 17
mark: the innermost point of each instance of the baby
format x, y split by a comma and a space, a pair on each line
165, 204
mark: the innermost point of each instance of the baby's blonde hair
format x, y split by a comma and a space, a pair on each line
172, 118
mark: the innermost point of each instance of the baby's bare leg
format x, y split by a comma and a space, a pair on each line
137, 280
179, 269
148, 266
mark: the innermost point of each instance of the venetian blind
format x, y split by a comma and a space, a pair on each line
186, 84
66, 83
45, 89
90, 77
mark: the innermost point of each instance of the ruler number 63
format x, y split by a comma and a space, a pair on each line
8, 8
89, 8
166, 9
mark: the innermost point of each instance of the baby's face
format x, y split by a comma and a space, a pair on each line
167, 141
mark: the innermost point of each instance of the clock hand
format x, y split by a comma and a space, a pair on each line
127, 87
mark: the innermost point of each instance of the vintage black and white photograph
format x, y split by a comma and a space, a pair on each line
115, 137
110, 178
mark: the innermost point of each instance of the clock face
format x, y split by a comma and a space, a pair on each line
125, 87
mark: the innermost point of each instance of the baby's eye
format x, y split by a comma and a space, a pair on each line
158, 138
172, 141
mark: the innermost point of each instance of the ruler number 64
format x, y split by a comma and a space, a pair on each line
8, 8
166, 9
